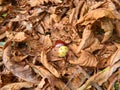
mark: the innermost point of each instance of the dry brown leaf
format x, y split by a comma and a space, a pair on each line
17, 86
38, 2
94, 15
97, 5
108, 27
19, 37
46, 41
16, 36
22, 71
117, 23
41, 84
84, 10
87, 39
51, 79
19, 58
3, 35
71, 17
113, 8
44, 61
75, 12
112, 80
116, 56
86, 59
101, 76
95, 46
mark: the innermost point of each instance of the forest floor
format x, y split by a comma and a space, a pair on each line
59, 45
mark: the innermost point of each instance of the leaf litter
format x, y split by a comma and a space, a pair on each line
30, 57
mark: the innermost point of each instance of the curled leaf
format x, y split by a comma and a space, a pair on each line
20, 70
101, 76
51, 79
94, 15
87, 39
107, 25
115, 57
95, 46
44, 61
86, 59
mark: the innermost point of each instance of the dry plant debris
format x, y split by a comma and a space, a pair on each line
59, 45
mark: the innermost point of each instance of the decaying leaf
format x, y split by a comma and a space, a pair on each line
17, 86
19, 58
116, 56
86, 59
90, 30
95, 46
101, 76
17, 37
107, 25
46, 74
87, 39
38, 2
44, 61
117, 23
94, 15
22, 71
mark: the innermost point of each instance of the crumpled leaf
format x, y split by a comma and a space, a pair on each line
41, 84
107, 25
19, 58
116, 56
17, 86
113, 8
16, 36
75, 11
38, 2
86, 59
101, 76
94, 15
44, 61
97, 5
95, 46
46, 41
20, 70
51, 79
87, 39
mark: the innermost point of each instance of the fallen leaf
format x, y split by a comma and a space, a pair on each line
51, 79
38, 2
19, 58
116, 56
17, 86
16, 36
108, 27
101, 76
94, 15
87, 39
95, 46
44, 61
22, 71
117, 24
86, 59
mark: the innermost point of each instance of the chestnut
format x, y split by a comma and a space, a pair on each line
62, 48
